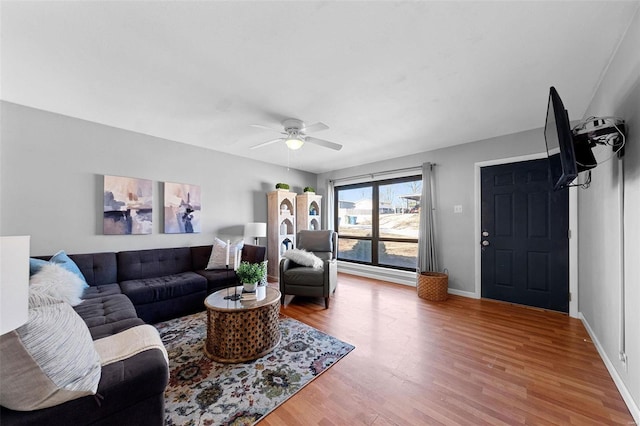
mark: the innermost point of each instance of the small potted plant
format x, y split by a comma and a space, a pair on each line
282, 186
263, 273
249, 275
309, 189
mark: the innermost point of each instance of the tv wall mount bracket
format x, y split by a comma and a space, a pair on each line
602, 131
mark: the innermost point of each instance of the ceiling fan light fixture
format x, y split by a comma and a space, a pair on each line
294, 142
295, 135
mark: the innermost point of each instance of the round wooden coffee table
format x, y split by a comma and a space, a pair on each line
245, 329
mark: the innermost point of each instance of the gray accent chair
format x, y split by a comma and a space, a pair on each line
299, 280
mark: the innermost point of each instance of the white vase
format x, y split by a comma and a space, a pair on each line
249, 287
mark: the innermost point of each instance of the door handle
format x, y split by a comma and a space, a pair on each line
485, 243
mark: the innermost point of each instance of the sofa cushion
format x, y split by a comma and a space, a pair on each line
253, 254
148, 290
218, 279
97, 268
144, 264
304, 276
101, 291
107, 315
49, 360
59, 283
200, 257
164, 310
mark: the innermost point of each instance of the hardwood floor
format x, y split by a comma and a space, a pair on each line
462, 361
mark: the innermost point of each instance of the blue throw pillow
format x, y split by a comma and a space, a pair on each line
35, 265
65, 261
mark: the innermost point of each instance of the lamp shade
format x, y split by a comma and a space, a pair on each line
14, 282
255, 230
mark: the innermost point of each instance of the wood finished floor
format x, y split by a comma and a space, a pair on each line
463, 361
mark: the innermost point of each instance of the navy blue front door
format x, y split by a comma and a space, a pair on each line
525, 245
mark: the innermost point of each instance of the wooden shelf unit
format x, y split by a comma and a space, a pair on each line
309, 209
281, 228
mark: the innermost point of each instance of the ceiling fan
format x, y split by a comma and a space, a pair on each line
295, 135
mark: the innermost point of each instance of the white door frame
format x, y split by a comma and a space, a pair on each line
573, 227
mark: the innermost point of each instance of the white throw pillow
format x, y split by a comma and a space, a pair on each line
59, 283
218, 259
303, 257
49, 360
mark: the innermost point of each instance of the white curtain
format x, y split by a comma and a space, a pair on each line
427, 258
328, 214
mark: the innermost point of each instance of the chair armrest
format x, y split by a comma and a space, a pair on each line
285, 264
330, 275
330, 264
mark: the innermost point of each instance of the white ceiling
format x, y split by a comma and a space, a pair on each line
389, 78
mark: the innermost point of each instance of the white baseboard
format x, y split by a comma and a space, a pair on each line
407, 278
386, 274
626, 396
469, 294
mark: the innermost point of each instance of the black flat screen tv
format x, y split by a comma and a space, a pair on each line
559, 138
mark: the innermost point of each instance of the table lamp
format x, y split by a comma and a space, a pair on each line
255, 230
14, 282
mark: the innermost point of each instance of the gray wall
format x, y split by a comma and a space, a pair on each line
454, 185
51, 183
599, 255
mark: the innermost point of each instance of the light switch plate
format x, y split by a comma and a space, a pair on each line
457, 208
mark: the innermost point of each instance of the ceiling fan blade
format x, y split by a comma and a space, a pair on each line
324, 143
260, 126
316, 127
260, 145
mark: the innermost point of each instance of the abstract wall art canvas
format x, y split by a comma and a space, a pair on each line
182, 208
128, 205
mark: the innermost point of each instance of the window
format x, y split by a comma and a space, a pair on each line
378, 222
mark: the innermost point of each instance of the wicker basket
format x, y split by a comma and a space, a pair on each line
433, 286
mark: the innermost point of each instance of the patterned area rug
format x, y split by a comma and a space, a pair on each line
205, 392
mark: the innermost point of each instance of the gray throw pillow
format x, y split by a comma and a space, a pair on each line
49, 360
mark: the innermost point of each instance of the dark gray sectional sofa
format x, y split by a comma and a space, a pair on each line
161, 283
127, 289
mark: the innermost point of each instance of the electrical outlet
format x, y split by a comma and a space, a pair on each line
457, 208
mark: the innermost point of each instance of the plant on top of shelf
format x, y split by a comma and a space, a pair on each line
309, 189
281, 185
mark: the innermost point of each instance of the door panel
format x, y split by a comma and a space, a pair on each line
525, 257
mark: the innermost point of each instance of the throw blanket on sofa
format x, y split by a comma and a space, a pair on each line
128, 343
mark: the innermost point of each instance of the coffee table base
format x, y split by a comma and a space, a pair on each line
238, 336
